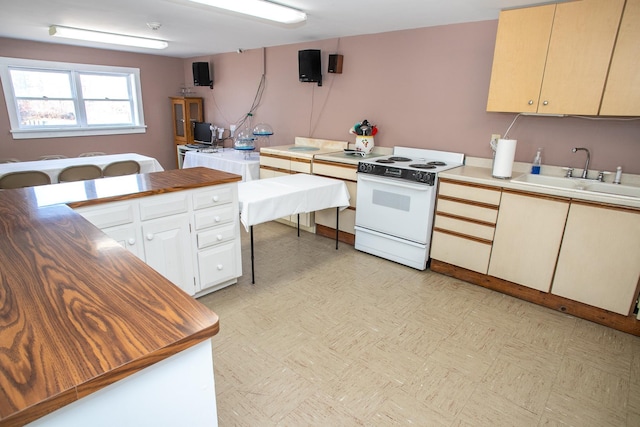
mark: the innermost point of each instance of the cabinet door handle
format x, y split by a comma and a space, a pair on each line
149, 236
216, 198
530, 102
131, 241
545, 102
219, 267
219, 237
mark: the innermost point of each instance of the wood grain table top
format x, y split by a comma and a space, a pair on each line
77, 311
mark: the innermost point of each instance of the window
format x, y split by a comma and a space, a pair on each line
52, 99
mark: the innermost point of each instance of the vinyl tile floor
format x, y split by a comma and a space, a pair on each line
330, 337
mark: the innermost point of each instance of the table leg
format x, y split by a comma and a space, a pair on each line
337, 226
253, 276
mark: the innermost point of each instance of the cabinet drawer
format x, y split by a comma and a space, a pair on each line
467, 192
464, 227
303, 166
462, 252
164, 205
216, 235
217, 265
214, 216
343, 171
218, 195
109, 215
479, 213
274, 162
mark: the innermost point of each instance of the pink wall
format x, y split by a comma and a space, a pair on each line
423, 88
161, 77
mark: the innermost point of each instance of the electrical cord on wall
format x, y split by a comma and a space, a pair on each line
312, 129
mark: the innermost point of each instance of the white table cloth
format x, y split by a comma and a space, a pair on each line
272, 198
227, 160
53, 167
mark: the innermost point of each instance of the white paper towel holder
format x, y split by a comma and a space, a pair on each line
503, 157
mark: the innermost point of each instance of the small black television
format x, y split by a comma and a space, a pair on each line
202, 133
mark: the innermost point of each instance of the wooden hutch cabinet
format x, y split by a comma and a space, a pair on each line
185, 110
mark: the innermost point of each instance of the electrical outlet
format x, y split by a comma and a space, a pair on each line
494, 140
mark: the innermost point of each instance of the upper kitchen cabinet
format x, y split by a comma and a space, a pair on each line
622, 93
186, 110
554, 59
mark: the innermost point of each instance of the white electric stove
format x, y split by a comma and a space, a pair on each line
396, 201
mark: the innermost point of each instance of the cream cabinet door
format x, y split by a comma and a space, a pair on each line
580, 49
554, 59
527, 239
599, 262
519, 57
622, 92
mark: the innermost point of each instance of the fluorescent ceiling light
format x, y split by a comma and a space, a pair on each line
260, 9
97, 36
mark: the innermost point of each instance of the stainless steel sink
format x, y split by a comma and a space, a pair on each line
578, 184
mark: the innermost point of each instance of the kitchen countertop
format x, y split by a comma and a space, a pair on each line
79, 312
482, 175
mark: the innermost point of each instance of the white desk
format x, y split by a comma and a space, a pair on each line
227, 160
272, 198
53, 167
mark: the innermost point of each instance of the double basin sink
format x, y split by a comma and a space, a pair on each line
579, 185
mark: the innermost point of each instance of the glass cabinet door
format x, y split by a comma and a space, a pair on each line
178, 120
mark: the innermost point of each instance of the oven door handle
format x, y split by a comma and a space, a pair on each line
387, 181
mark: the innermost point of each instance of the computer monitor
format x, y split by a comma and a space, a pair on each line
202, 133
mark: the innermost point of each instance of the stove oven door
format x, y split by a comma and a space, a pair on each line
398, 208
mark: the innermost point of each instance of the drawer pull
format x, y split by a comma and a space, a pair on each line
216, 198
217, 219
149, 236
131, 241
220, 267
219, 237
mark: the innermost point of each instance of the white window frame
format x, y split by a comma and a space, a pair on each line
82, 129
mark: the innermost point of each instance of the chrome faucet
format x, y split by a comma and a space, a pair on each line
586, 165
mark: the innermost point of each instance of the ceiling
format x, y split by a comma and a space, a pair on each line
195, 30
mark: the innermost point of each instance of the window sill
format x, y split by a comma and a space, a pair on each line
63, 133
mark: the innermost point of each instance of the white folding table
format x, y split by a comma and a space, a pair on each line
272, 198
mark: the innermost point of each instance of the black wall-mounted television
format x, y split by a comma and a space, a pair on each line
202, 132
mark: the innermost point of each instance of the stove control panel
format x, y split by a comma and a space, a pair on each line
422, 177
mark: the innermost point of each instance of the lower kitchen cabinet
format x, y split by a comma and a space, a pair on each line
167, 249
191, 237
527, 239
464, 225
347, 217
599, 262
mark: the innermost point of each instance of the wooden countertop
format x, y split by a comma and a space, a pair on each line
77, 311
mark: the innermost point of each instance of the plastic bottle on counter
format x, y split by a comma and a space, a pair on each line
537, 162
618, 177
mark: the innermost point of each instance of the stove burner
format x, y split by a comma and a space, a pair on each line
437, 163
384, 161
423, 166
399, 159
